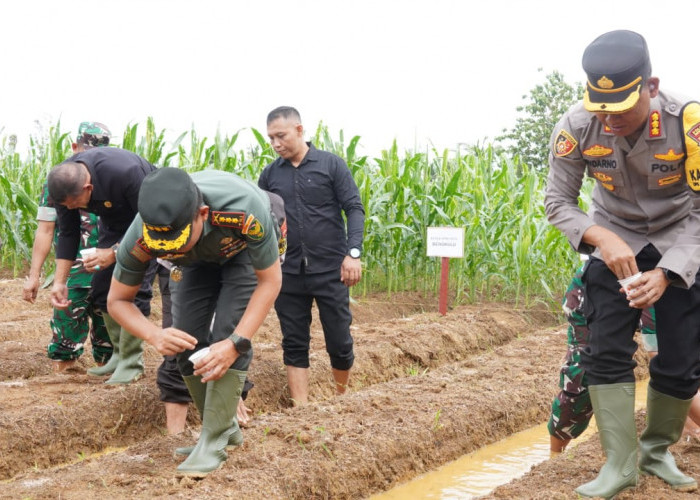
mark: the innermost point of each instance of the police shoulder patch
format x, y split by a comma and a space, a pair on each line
564, 144
691, 127
227, 219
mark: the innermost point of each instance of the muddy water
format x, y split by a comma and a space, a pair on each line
480, 472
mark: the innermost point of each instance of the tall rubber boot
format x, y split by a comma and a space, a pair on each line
220, 407
613, 407
198, 392
130, 366
114, 332
665, 419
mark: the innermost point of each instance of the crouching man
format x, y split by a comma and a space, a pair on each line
222, 237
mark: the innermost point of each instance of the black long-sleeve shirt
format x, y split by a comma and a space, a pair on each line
314, 195
116, 176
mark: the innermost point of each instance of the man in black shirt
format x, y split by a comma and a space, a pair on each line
322, 261
106, 182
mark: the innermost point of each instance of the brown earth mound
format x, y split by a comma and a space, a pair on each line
426, 389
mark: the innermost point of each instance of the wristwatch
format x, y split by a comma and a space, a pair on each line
242, 344
670, 275
115, 247
354, 253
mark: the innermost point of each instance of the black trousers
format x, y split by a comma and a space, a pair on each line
169, 379
293, 306
212, 292
675, 371
102, 279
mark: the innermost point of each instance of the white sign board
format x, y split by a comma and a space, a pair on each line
445, 242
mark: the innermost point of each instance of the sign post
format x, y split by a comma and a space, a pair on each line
445, 242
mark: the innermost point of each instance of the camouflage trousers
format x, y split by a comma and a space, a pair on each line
71, 327
571, 408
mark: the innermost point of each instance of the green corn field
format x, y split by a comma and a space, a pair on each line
511, 251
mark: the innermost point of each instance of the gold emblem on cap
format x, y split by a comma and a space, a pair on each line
108, 204
160, 229
167, 245
605, 83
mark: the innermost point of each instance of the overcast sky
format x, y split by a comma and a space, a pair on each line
420, 71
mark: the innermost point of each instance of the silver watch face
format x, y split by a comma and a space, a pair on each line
354, 253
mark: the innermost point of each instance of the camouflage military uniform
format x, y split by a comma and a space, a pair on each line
571, 408
71, 327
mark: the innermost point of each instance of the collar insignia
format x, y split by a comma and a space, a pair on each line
655, 124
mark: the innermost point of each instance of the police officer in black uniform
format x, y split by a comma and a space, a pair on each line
106, 182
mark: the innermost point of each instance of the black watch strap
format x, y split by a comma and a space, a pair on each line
670, 275
242, 344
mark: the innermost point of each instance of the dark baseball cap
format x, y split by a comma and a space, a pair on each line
93, 134
617, 65
168, 200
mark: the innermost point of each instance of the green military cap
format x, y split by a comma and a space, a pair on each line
617, 65
93, 134
168, 201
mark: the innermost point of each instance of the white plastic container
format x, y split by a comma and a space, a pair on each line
87, 251
627, 283
198, 355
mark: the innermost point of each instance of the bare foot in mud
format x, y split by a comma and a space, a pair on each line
243, 414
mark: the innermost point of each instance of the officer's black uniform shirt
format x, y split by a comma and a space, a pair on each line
116, 176
314, 194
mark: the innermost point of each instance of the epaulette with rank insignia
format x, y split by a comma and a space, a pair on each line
227, 219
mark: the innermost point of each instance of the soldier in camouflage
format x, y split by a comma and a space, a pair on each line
571, 408
70, 328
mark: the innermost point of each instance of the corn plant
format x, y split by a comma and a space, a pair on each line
511, 251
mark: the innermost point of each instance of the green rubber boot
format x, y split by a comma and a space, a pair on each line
613, 406
665, 419
130, 366
114, 331
198, 392
219, 414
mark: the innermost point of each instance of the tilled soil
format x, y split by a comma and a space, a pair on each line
425, 390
